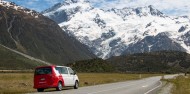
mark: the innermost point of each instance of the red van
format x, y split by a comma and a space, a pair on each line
54, 77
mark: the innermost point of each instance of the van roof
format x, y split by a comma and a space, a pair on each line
50, 66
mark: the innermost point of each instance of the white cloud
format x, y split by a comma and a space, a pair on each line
171, 7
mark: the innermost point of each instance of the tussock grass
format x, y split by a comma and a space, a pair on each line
14, 83
181, 84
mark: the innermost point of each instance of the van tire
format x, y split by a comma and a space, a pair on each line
40, 89
59, 86
76, 85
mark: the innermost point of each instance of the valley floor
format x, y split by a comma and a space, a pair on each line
23, 82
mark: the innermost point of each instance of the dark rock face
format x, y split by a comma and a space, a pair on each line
186, 38
154, 11
39, 37
101, 23
183, 28
154, 43
59, 17
108, 35
114, 42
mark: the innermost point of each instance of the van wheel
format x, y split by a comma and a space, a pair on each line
76, 85
59, 86
40, 89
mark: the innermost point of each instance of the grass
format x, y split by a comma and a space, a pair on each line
181, 84
14, 83
8, 59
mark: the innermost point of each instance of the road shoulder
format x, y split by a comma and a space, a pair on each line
166, 88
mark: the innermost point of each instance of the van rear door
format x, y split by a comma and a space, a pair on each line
43, 77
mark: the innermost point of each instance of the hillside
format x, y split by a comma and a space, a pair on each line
153, 62
12, 61
160, 61
32, 33
93, 65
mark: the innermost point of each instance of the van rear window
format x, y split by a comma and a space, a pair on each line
40, 71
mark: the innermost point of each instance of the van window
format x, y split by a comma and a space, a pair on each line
62, 70
40, 71
71, 71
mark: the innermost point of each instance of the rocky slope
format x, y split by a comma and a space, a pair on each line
34, 34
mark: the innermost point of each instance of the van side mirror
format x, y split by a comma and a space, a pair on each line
74, 73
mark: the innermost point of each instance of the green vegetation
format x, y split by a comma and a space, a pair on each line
12, 61
153, 62
23, 82
181, 84
161, 62
93, 65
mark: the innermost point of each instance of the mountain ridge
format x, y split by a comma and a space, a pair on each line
115, 32
39, 37
157, 61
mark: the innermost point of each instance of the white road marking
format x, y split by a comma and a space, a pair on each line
144, 86
154, 88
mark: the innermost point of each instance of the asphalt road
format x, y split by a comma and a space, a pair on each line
144, 86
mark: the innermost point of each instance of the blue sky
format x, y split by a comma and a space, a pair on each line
169, 7
38, 5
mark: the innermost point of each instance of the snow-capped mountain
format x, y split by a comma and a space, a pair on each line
64, 11
116, 32
19, 8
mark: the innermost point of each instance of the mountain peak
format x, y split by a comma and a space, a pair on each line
66, 4
154, 11
116, 31
67, 9
9, 4
74, 1
144, 11
12, 5
139, 11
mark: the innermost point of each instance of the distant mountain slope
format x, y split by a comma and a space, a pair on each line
31, 33
12, 61
159, 61
150, 62
117, 32
93, 65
